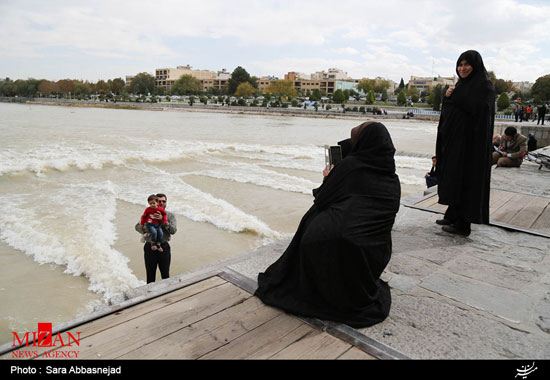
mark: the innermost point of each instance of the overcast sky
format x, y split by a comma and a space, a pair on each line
393, 39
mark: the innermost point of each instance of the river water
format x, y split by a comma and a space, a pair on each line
74, 182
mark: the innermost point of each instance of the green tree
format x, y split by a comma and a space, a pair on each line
366, 85
27, 88
384, 94
101, 87
142, 84
47, 88
381, 85
541, 88
338, 96
245, 90
187, 85
315, 95
7, 87
117, 85
437, 98
370, 97
82, 88
238, 76
503, 101
401, 98
283, 88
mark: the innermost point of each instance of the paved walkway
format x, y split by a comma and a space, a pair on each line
486, 296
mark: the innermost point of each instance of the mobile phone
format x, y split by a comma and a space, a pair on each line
333, 155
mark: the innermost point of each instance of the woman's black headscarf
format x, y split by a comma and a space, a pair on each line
468, 92
464, 142
371, 150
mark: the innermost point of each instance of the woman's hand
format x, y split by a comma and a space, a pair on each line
449, 91
325, 171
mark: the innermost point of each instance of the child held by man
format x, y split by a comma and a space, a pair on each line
153, 224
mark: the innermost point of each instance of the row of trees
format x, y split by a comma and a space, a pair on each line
65, 87
242, 84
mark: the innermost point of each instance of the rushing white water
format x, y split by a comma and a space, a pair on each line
75, 180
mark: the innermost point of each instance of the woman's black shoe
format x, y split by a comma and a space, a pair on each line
443, 222
454, 230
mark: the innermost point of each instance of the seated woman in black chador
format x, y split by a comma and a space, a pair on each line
464, 146
331, 269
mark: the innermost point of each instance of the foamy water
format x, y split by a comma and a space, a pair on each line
234, 183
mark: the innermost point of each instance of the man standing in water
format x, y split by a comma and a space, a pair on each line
154, 259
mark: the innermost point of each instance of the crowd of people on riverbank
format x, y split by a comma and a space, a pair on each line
531, 112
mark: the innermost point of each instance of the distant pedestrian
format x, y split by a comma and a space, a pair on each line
431, 176
517, 112
542, 112
521, 113
532, 143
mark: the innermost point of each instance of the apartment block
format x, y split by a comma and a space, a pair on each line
166, 77
428, 83
334, 79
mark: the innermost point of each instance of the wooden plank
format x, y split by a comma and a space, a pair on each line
509, 208
530, 212
315, 345
428, 202
506, 209
543, 221
498, 197
264, 341
502, 206
128, 336
122, 316
355, 354
150, 306
209, 334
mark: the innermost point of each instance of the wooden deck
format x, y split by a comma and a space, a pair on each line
522, 212
215, 318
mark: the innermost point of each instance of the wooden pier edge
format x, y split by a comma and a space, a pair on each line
345, 333
73, 324
416, 203
338, 330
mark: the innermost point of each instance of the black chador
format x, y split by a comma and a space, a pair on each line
331, 269
464, 146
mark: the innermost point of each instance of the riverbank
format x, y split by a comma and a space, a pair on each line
541, 132
336, 112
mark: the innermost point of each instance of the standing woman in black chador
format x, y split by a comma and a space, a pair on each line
464, 146
331, 269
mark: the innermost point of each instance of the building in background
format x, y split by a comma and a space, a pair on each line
264, 82
426, 84
524, 86
325, 81
166, 77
